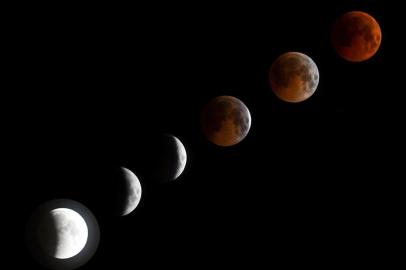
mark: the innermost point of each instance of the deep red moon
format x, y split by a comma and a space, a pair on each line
356, 36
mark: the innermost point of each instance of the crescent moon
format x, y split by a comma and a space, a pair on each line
182, 157
133, 191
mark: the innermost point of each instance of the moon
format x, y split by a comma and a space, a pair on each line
172, 157
181, 157
132, 192
225, 121
63, 233
294, 77
165, 159
356, 36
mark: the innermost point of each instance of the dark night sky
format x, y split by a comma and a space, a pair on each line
88, 89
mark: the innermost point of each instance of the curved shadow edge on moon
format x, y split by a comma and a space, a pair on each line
67, 233
225, 121
294, 77
169, 159
133, 191
62, 234
181, 157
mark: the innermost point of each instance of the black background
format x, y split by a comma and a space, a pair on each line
88, 87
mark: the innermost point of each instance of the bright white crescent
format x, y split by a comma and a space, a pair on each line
134, 191
182, 157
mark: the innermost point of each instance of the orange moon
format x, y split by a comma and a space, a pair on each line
225, 120
356, 36
294, 77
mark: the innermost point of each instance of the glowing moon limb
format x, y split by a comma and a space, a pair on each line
71, 230
133, 189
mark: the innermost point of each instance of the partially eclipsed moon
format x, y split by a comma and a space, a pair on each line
294, 77
133, 191
63, 233
226, 121
181, 156
168, 158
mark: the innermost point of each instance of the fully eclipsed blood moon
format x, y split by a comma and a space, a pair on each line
294, 77
356, 36
225, 120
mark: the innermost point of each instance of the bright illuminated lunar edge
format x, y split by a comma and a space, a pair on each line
62, 234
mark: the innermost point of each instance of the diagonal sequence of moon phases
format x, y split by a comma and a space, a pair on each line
64, 234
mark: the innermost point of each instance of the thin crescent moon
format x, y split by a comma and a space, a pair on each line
182, 157
134, 191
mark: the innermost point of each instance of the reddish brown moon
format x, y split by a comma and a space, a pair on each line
356, 36
294, 77
225, 120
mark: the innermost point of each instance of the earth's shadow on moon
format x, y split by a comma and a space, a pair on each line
225, 120
41, 255
294, 77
